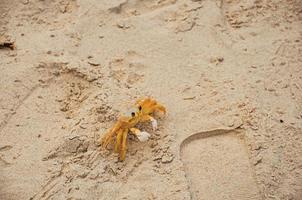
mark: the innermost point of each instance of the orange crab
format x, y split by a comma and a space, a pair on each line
118, 134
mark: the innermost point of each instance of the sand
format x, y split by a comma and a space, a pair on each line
228, 71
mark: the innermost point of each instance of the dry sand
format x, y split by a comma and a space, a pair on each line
228, 71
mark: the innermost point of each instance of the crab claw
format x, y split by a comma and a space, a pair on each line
143, 136
154, 123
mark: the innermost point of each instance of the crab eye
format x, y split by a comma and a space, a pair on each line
140, 108
133, 114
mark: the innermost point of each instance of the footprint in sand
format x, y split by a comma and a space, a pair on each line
217, 166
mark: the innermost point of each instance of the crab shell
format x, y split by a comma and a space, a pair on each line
148, 106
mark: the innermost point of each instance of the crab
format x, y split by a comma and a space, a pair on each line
118, 134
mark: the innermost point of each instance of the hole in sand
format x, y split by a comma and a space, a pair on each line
217, 166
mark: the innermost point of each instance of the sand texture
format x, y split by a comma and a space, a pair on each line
228, 71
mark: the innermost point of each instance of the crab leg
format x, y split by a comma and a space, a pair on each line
118, 141
161, 108
124, 145
107, 139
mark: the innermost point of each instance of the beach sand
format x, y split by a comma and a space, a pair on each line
228, 71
